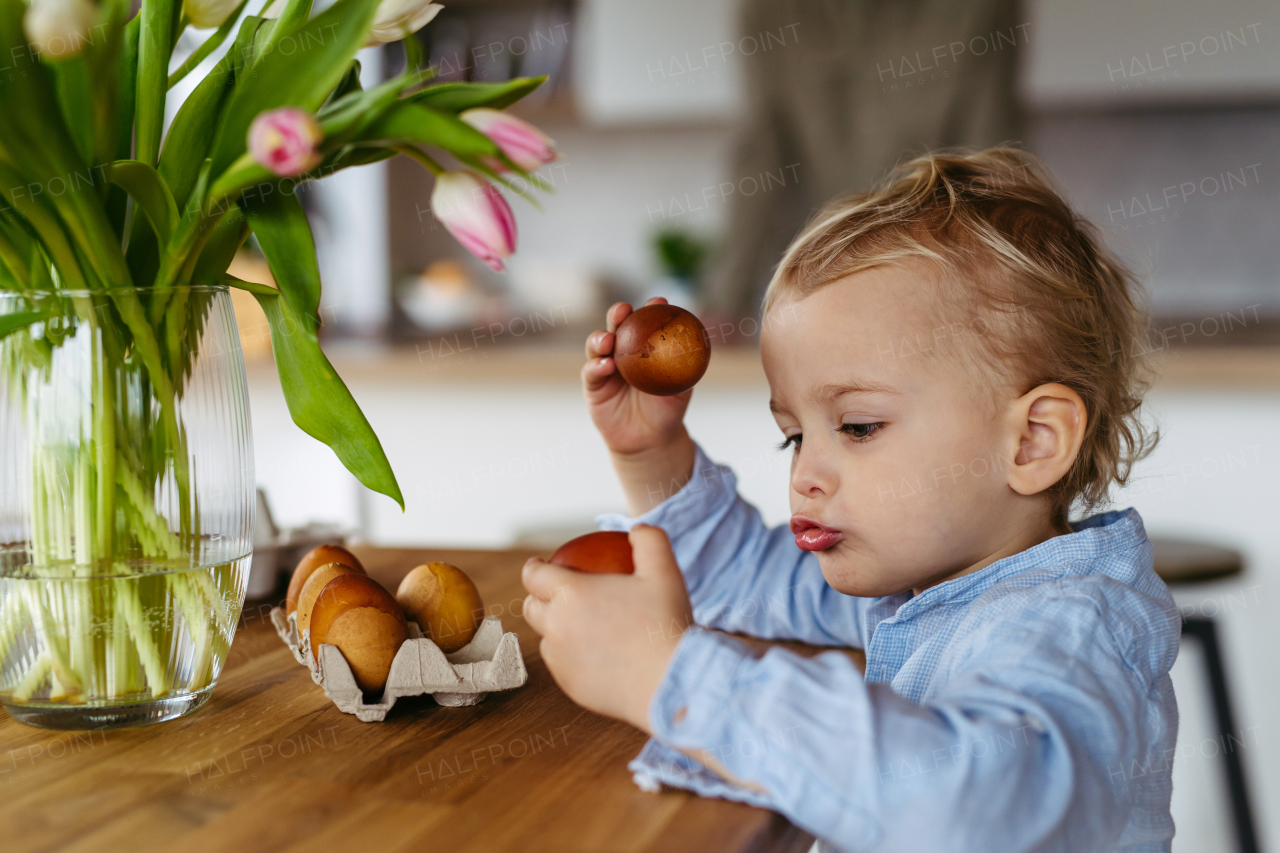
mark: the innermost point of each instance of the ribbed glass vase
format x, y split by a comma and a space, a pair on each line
126, 502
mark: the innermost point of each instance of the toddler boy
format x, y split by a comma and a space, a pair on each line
952, 367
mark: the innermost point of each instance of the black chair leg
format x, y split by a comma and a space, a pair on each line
1206, 632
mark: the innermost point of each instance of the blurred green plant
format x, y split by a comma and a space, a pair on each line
680, 254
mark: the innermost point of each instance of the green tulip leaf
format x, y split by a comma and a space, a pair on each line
418, 125
350, 83
150, 194
11, 323
320, 404
345, 118
263, 290
220, 249
155, 46
192, 131
363, 156
244, 172
291, 17
75, 96
18, 252
241, 54
456, 97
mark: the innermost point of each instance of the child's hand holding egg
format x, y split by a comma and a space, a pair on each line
662, 350
608, 633
603, 552
639, 373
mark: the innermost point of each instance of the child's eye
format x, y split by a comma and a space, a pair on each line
790, 441
860, 432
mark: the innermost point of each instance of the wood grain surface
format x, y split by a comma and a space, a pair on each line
466, 362
269, 764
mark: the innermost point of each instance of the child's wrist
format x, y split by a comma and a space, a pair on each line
652, 475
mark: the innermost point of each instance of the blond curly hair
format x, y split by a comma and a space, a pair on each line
1017, 263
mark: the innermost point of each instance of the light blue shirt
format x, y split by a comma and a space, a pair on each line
1025, 706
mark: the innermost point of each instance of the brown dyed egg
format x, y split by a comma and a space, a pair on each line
316, 557
662, 350
604, 552
359, 617
444, 602
311, 591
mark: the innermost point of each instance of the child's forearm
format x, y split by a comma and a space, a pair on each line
651, 476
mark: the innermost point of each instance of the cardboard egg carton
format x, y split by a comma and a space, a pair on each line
491, 661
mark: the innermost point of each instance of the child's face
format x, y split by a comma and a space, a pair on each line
901, 466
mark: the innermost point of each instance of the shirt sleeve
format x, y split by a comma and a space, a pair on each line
742, 576
1026, 745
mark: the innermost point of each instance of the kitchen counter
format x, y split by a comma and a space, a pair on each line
271, 765
460, 359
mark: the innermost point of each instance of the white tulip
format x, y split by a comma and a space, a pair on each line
59, 28
207, 14
396, 19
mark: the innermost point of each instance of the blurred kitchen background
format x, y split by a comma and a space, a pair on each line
695, 137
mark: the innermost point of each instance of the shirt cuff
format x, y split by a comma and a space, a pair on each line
688, 711
658, 765
688, 708
699, 652
709, 487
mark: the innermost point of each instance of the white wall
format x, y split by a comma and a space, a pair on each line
634, 65
1152, 51
663, 60
615, 189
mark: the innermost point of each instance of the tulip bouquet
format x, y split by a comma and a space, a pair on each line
110, 219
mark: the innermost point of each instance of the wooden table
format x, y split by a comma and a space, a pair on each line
269, 764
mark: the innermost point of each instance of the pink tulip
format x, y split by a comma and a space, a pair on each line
525, 145
284, 140
477, 215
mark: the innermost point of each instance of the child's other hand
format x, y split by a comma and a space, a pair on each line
607, 639
630, 421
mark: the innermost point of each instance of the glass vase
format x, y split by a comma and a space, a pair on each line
126, 502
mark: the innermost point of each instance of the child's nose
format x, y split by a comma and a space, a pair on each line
812, 473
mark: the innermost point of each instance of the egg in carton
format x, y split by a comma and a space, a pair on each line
490, 662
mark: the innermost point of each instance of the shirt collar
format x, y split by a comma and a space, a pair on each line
1090, 539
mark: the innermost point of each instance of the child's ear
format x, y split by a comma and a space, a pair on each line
1046, 429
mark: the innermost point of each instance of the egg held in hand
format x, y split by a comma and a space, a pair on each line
311, 591
604, 552
661, 350
356, 615
315, 558
444, 602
